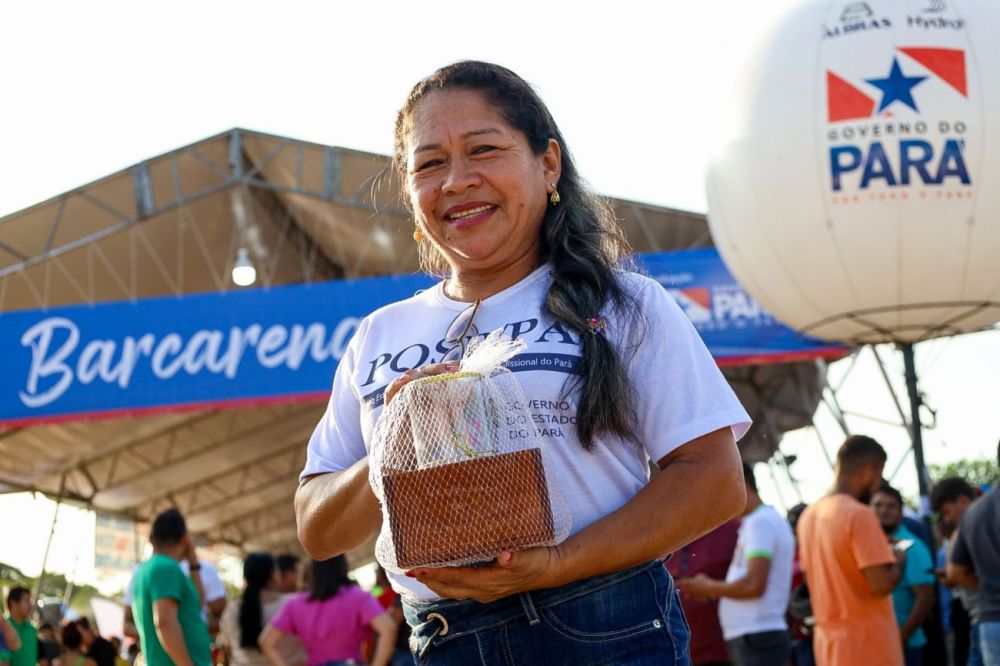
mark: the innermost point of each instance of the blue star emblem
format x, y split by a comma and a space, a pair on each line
896, 87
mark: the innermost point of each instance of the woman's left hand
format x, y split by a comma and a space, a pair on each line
511, 573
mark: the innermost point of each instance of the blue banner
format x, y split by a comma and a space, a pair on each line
253, 346
733, 325
281, 344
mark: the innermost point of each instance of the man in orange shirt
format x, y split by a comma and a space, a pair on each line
850, 567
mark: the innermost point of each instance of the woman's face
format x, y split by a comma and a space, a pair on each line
478, 191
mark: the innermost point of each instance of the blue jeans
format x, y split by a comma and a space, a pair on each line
802, 653
401, 658
628, 618
989, 642
975, 653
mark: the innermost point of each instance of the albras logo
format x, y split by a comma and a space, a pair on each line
856, 17
931, 152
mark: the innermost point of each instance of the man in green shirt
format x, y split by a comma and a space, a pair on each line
19, 607
165, 602
9, 640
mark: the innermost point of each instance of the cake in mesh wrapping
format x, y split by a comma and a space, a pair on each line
460, 470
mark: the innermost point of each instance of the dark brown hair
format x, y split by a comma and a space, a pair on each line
858, 451
328, 577
72, 639
257, 571
949, 490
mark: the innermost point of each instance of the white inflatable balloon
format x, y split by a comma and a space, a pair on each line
858, 195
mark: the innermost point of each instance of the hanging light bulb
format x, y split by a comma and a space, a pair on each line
244, 274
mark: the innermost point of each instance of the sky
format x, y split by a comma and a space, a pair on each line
639, 90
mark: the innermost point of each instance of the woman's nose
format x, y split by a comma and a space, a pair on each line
460, 177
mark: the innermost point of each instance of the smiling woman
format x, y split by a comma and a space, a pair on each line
613, 374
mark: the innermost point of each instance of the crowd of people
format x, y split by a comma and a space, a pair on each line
178, 614
75, 643
850, 579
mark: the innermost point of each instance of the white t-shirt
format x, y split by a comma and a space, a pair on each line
681, 392
210, 581
763, 533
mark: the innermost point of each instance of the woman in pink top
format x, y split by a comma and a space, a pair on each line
331, 620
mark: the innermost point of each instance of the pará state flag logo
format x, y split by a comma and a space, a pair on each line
878, 95
880, 133
696, 303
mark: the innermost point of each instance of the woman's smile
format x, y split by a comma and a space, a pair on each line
463, 216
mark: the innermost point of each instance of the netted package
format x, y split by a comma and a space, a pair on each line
460, 470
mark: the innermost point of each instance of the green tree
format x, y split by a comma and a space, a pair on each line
976, 472
54, 585
10, 575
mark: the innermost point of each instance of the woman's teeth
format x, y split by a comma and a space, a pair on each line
470, 213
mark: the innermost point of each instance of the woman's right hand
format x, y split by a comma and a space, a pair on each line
337, 511
414, 374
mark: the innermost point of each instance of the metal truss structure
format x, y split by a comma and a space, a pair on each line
866, 364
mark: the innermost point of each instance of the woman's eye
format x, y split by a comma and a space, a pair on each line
478, 150
428, 164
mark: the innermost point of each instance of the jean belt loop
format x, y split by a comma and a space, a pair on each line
529, 608
440, 631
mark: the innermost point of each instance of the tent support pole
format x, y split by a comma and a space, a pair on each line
791, 479
777, 488
828, 395
136, 546
892, 391
48, 544
910, 370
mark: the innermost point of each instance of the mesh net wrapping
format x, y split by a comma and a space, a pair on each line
459, 468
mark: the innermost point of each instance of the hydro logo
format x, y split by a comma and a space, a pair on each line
913, 159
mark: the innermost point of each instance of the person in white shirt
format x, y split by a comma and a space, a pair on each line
754, 596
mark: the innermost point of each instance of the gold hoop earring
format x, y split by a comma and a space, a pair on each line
554, 197
418, 235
